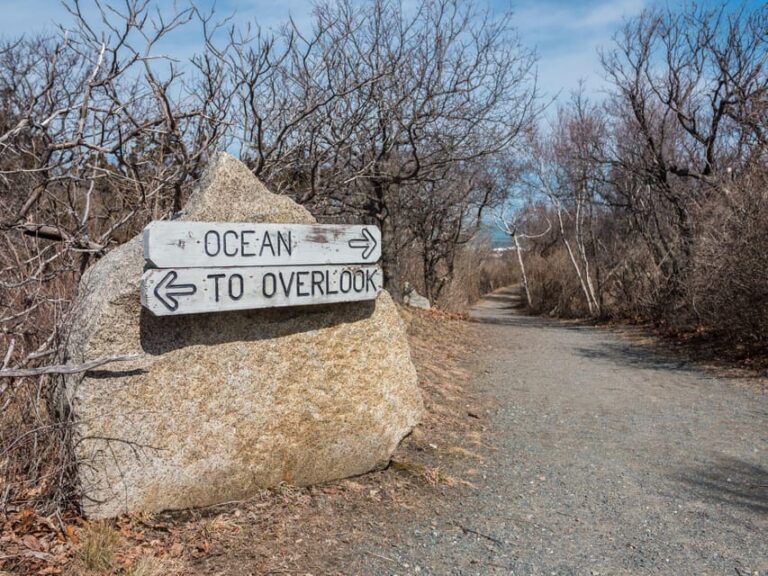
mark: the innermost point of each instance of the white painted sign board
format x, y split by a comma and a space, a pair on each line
192, 290
180, 244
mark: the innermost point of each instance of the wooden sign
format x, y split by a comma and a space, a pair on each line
192, 290
211, 267
181, 244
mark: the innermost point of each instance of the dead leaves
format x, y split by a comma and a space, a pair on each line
34, 544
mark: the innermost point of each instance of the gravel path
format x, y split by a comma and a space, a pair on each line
608, 459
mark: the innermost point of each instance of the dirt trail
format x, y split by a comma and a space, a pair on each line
607, 458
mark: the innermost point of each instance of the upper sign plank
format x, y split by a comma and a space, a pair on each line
182, 244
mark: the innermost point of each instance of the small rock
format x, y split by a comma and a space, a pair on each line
413, 298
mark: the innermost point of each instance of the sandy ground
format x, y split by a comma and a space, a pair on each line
607, 458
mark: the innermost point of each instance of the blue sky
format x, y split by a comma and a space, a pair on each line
565, 33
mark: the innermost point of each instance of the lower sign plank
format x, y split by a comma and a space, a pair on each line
166, 291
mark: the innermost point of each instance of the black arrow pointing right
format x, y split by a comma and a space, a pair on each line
367, 242
168, 299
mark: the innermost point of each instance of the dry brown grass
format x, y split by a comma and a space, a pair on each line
152, 566
105, 550
477, 271
97, 552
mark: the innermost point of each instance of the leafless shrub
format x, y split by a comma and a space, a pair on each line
478, 271
728, 293
99, 133
659, 194
555, 288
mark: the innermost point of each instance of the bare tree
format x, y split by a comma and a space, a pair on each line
659, 194
565, 184
517, 226
442, 88
690, 90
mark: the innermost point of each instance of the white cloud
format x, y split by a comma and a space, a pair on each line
609, 13
567, 38
555, 16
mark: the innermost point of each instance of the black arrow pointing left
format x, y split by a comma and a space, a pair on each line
167, 292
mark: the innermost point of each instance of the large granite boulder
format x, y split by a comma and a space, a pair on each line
220, 405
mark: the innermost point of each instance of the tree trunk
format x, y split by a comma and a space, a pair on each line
389, 253
522, 269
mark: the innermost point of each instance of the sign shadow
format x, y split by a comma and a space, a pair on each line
162, 334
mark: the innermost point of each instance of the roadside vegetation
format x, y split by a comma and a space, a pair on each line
652, 205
